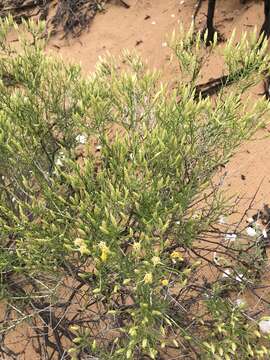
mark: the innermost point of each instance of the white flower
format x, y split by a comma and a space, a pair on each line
216, 258
240, 277
81, 139
264, 326
226, 273
240, 302
251, 231
222, 220
230, 237
59, 162
60, 158
264, 232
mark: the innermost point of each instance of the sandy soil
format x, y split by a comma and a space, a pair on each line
145, 27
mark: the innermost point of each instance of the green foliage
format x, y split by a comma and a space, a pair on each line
123, 220
233, 336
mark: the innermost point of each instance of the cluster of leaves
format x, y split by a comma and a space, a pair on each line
105, 188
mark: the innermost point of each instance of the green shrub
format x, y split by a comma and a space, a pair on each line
106, 188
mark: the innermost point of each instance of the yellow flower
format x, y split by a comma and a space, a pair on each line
196, 215
82, 246
155, 260
133, 331
104, 251
144, 343
165, 282
74, 328
137, 246
104, 256
84, 250
148, 278
79, 242
176, 255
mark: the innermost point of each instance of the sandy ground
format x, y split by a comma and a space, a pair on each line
145, 27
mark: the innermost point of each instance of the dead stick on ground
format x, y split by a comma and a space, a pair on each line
124, 4
197, 9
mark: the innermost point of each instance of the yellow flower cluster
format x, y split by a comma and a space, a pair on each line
176, 255
105, 251
148, 278
137, 249
82, 246
165, 282
156, 260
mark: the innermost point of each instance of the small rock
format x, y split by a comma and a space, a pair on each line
138, 42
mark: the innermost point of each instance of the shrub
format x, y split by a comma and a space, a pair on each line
107, 195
